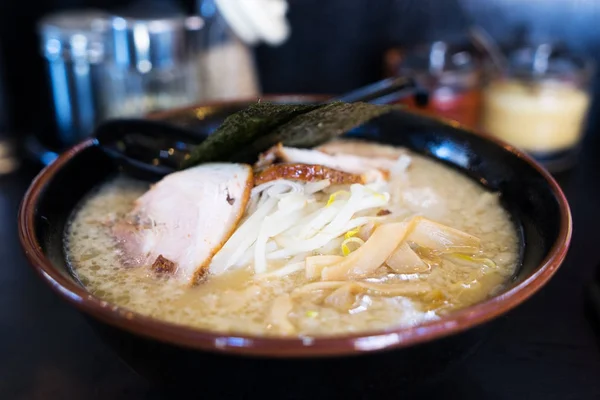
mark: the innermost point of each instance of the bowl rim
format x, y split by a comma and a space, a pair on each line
275, 347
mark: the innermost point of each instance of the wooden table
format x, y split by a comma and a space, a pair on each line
546, 350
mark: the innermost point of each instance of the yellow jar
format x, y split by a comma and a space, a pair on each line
539, 117
539, 103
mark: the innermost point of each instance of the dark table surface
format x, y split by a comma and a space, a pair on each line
546, 350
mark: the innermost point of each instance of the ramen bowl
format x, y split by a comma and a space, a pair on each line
213, 363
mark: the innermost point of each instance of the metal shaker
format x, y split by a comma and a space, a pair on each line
75, 45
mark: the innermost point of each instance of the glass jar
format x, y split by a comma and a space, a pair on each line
450, 73
540, 103
153, 67
225, 63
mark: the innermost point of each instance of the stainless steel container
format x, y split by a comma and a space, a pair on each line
8, 158
76, 46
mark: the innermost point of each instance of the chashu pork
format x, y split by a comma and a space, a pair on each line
183, 220
371, 161
306, 173
361, 148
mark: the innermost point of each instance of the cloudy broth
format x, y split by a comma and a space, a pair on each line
238, 302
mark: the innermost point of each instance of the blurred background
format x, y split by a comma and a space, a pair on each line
523, 70
54, 54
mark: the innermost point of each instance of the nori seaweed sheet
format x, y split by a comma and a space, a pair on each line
240, 129
246, 134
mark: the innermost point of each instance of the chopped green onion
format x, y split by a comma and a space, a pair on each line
345, 249
351, 233
334, 196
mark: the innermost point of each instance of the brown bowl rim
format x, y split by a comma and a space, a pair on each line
273, 347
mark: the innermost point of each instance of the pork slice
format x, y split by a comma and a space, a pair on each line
185, 218
361, 148
371, 169
372, 161
269, 157
306, 173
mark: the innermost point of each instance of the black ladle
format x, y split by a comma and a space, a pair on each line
150, 149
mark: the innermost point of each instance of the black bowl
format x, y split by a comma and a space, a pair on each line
235, 365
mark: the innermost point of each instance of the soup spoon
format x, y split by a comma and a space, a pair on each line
149, 149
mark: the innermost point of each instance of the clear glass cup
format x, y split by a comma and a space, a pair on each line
540, 104
152, 69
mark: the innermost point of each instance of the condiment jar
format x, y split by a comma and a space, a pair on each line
451, 73
153, 66
76, 47
226, 64
540, 103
